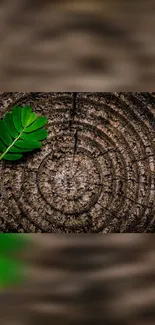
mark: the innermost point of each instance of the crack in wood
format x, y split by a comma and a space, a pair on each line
75, 141
72, 111
72, 115
75, 147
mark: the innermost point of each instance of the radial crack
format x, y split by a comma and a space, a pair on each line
72, 111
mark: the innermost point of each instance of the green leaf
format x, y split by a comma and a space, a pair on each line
26, 112
21, 131
10, 125
10, 243
12, 157
11, 272
15, 149
28, 144
38, 135
12, 268
37, 124
27, 116
16, 115
2, 146
5, 136
31, 118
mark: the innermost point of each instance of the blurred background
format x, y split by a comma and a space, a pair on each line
77, 45
83, 279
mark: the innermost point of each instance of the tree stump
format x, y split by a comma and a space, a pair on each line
95, 172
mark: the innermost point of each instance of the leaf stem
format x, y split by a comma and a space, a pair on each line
12, 144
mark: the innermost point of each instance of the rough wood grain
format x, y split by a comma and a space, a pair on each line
95, 173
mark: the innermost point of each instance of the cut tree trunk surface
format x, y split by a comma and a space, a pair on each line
95, 172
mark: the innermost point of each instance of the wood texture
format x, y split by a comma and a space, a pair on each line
95, 172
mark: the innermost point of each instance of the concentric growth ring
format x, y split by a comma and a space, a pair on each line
70, 185
95, 172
